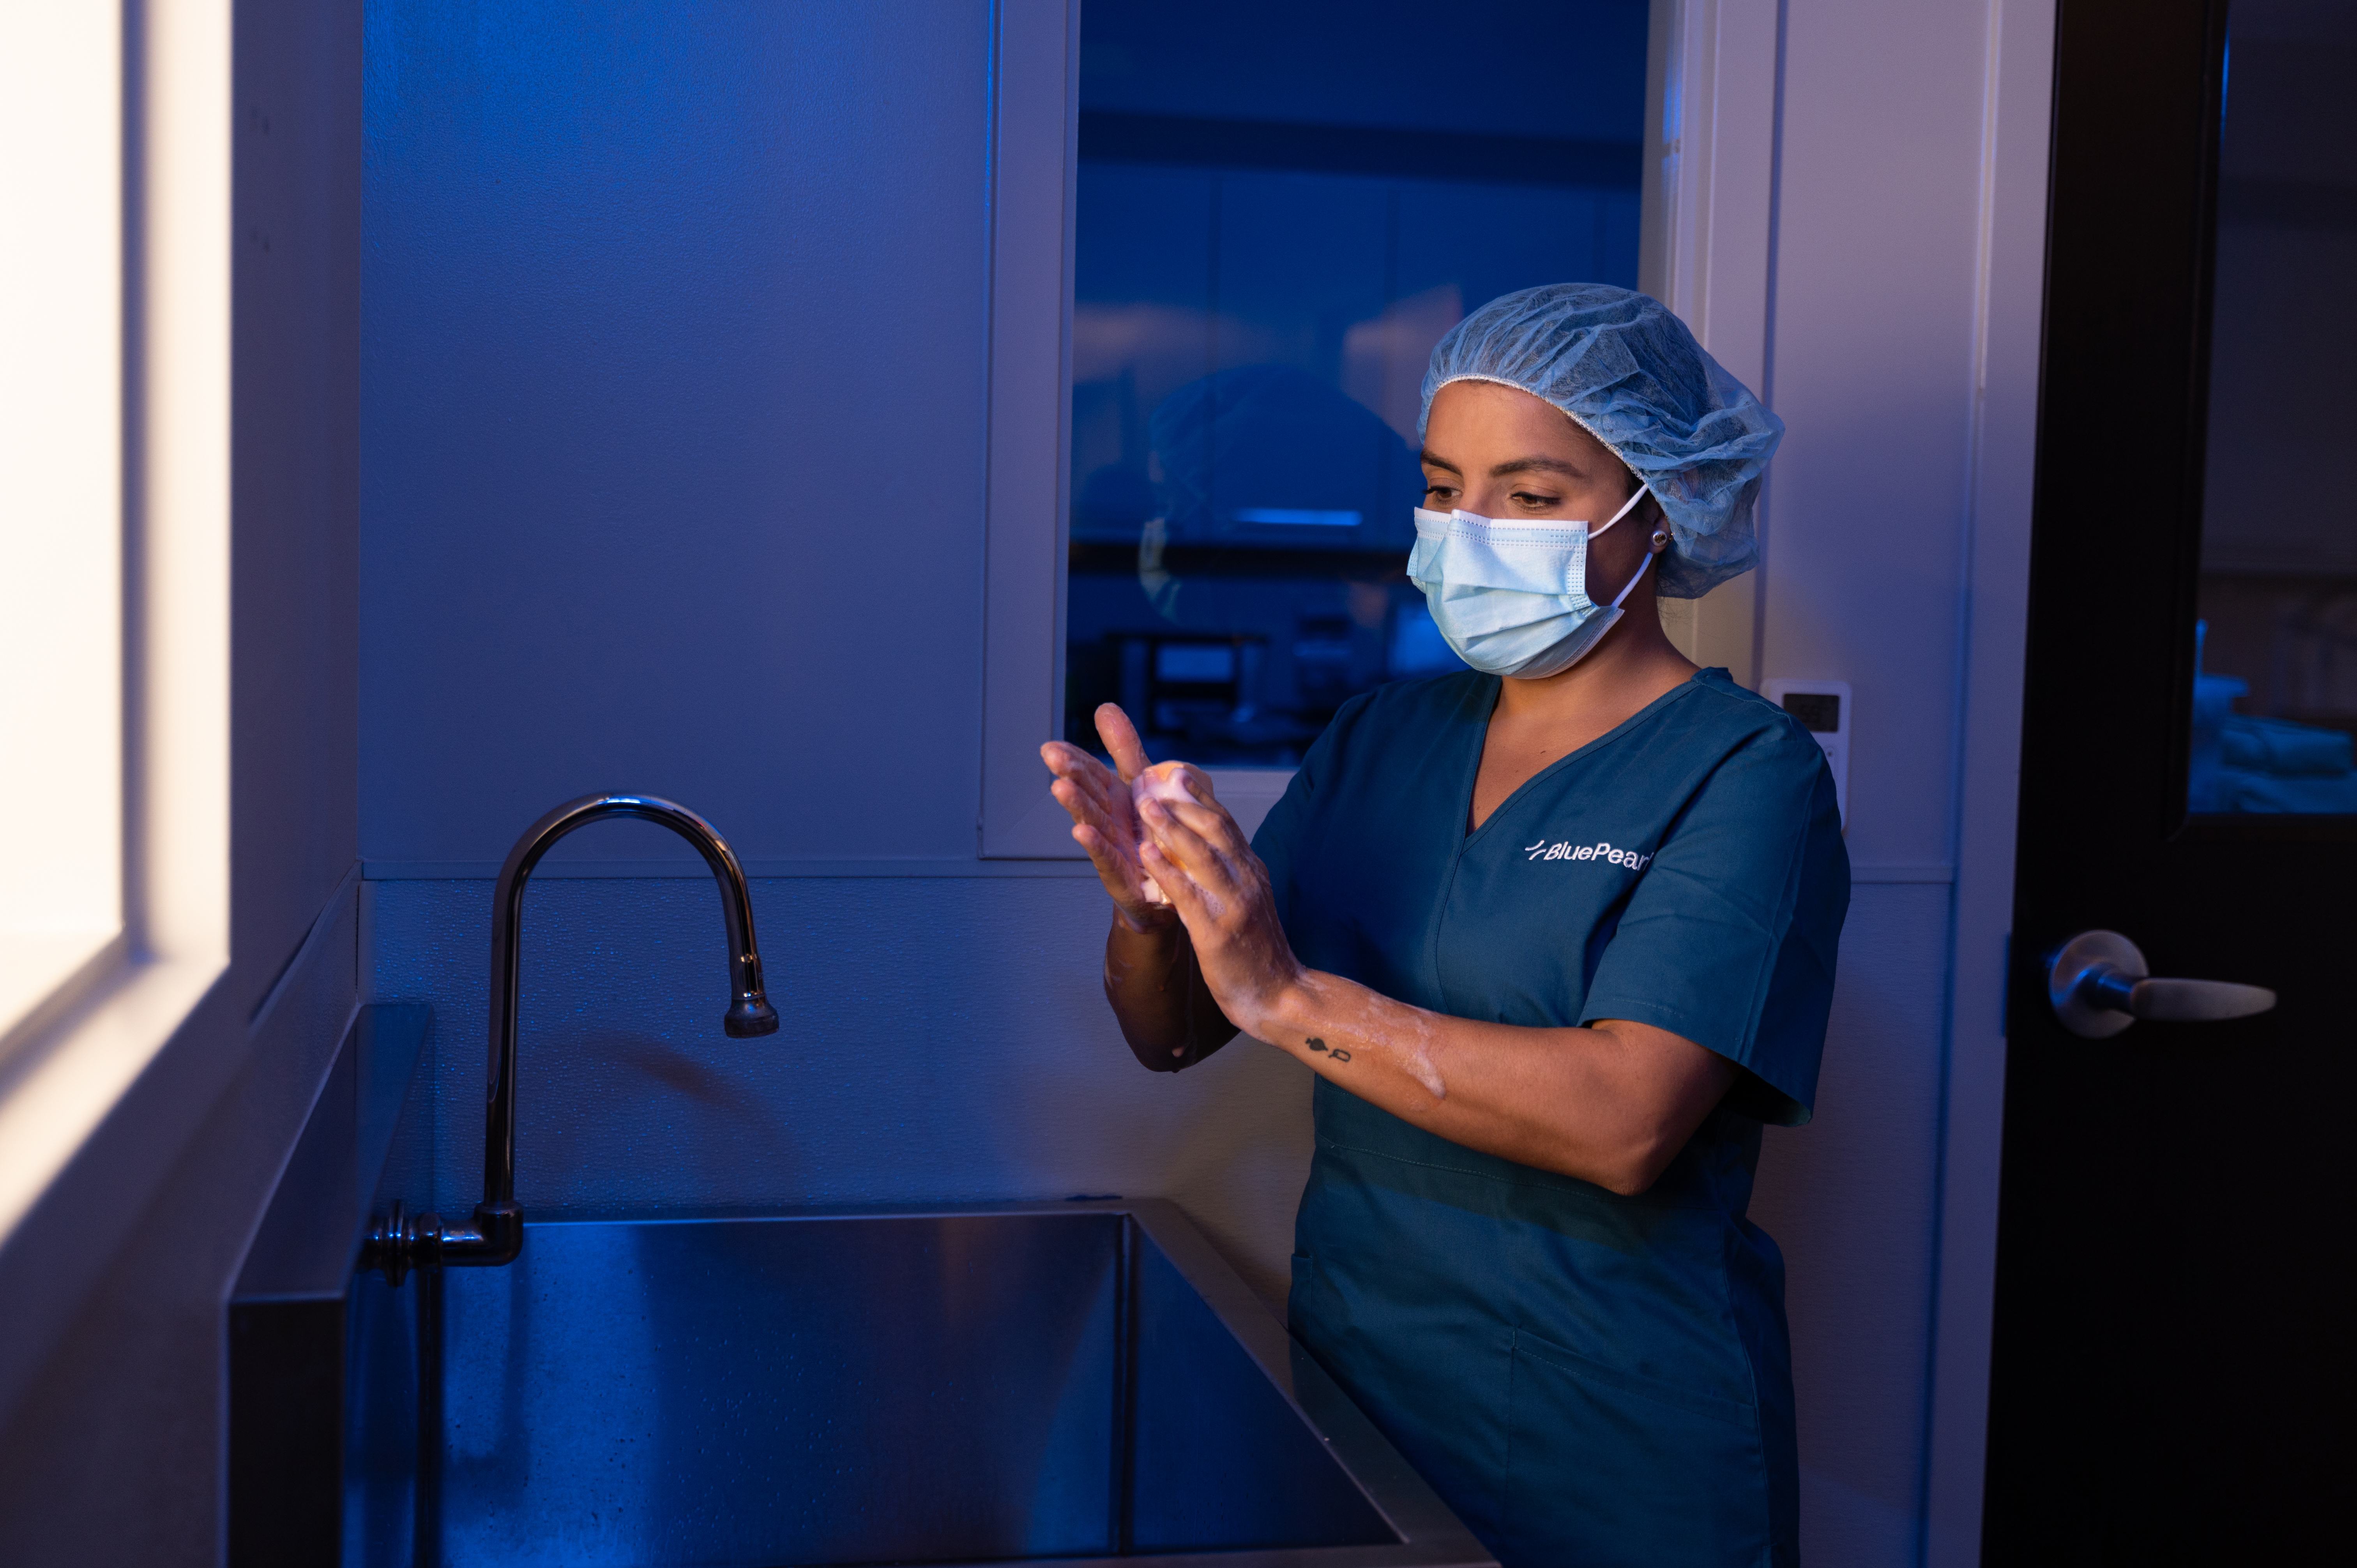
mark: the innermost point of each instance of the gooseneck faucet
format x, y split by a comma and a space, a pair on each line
398, 1243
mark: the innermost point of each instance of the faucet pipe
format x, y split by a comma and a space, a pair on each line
496, 1236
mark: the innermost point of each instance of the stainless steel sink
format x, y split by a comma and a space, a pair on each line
1078, 1380
1074, 1382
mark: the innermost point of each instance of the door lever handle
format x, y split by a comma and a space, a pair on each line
2099, 984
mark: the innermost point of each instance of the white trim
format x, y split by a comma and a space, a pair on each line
1708, 244
1247, 793
1034, 154
179, 557
2017, 101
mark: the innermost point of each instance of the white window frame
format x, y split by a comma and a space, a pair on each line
1705, 241
1034, 170
1712, 117
67, 1064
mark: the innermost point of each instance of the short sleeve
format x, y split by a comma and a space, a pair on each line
1730, 937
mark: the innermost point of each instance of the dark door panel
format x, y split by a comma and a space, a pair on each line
2168, 1352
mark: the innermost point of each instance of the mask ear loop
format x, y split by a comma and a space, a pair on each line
1625, 507
1660, 541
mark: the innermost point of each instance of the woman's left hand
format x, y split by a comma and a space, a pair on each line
1209, 872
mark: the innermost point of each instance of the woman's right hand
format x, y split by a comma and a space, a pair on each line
1104, 816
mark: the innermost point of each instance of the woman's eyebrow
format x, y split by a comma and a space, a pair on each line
1430, 460
1545, 465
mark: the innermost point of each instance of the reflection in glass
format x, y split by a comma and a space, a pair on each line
1278, 218
2275, 705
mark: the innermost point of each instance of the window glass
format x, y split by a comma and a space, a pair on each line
1282, 207
2274, 707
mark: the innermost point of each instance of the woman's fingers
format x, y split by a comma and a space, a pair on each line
1121, 739
1114, 834
1105, 823
1231, 918
1213, 825
1084, 808
1197, 906
1181, 843
1067, 761
1115, 869
1085, 780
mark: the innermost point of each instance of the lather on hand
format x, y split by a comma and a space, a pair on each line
1104, 804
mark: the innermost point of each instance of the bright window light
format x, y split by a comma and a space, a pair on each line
62, 525
113, 594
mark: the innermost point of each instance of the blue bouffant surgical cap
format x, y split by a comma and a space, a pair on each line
1629, 373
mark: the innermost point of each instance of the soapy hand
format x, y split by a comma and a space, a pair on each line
1197, 854
1164, 848
1220, 889
1105, 806
1173, 783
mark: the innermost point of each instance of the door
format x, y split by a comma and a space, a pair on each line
2170, 1361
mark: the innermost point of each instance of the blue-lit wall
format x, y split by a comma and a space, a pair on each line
673, 482
673, 436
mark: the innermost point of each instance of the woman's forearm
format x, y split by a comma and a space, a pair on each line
1166, 1012
1611, 1103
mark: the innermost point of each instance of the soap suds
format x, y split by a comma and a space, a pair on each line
1397, 1030
1167, 782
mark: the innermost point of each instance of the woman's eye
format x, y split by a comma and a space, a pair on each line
1534, 502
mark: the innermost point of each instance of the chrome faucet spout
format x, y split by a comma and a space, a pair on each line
496, 1236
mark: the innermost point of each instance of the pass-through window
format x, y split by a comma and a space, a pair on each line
1281, 208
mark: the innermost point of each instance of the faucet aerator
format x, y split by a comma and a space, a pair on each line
752, 1015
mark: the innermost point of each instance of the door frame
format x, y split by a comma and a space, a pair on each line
2011, 233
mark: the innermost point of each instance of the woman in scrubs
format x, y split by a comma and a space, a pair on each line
1556, 934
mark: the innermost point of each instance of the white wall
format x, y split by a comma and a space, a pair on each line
675, 329
1874, 319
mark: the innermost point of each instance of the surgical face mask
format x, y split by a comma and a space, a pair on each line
1511, 597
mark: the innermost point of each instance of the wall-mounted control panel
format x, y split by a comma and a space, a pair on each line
1824, 707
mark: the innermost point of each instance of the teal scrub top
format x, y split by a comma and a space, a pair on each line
1585, 1377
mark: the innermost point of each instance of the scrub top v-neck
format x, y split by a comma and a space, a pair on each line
1585, 1377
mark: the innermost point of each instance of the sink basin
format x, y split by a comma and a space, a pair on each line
1076, 1380
1073, 1382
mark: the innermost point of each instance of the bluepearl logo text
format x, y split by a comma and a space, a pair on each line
1568, 851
